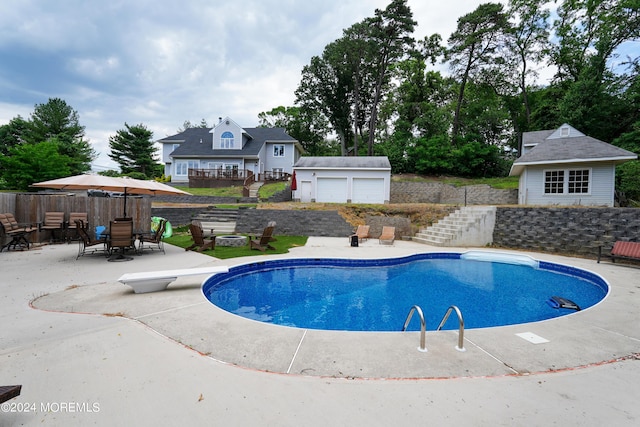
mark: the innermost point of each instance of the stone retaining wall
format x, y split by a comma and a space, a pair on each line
435, 192
294, 223
577, 231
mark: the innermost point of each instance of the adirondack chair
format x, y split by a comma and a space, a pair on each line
261, 243
199, 242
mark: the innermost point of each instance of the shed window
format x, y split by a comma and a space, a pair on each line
554, 182
579, 181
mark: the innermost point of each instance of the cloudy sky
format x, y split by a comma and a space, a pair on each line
160, 63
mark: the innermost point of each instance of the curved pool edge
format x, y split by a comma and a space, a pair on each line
473, 255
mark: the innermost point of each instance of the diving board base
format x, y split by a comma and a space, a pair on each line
154, 281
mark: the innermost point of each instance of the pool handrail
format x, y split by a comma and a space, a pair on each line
460, 346
423, 326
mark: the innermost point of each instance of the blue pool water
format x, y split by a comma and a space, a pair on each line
376, 295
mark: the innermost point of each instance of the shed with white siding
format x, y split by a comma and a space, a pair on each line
343, 179
566, 167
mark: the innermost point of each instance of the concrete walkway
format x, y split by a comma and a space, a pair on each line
170, 358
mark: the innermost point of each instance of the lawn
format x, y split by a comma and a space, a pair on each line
282, 244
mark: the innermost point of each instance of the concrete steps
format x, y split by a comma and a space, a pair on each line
467, 226
218, 221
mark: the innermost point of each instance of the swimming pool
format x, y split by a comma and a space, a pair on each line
490, 289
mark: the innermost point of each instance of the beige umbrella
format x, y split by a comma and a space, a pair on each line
108, 183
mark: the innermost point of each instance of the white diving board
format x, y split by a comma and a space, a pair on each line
153, 281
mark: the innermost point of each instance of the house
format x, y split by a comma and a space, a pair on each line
229, 151
566, 167
342, 179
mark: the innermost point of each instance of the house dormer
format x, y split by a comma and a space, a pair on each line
227, 135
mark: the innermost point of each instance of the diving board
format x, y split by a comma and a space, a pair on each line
153, 281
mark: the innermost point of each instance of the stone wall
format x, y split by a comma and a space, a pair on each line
577, 231
294, 223
435, 192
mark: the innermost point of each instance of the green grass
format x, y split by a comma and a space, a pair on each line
268, 190
235, 191
282, 244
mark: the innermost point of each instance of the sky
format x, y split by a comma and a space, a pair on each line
159, 63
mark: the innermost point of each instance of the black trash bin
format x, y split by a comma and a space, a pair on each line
354, 240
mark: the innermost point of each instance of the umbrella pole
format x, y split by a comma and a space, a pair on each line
125, 202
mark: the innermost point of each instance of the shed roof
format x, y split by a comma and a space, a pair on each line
337, 162
554, 150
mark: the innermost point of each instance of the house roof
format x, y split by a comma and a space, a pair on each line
554, 149
198, 142
369, 162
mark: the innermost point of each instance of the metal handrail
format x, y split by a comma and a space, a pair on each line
423, 326
460, 346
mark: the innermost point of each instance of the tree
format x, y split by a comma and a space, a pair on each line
473, 45
29, 163
307, 126
188, 125
56, 119
13, 134
133, 149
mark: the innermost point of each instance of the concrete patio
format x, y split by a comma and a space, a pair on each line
87, 350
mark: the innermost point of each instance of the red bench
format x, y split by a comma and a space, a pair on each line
623, 250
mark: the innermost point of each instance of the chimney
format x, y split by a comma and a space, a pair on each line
219, 119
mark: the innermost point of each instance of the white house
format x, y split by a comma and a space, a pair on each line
230, 148
342, 179
566, 167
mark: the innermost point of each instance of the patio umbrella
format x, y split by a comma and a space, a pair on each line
294, 184
108, 183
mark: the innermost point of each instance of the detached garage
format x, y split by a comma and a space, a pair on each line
342, 179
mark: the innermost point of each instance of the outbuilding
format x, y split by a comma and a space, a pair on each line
342, 179
566, 167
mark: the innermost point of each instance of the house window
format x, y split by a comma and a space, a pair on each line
182, 167
554, 182
226, 140
278, 151
578, 181
277, 173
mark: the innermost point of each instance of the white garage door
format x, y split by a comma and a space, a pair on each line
368, 190
332, 190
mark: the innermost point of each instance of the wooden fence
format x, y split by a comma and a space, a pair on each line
31, 207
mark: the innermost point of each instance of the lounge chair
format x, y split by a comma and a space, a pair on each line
199, 242
362, 232
87, 244
53, 221
387, 236
261, 243
18, 233
121, 237
153, 238
71, 232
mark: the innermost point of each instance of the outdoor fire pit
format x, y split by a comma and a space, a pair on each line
231, 241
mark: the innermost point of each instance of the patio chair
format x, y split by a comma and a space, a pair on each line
261, 243
362, 232
199, 242
53, 221
120, 237
71, 231
387, 236
86, 243
19, 234
153, 238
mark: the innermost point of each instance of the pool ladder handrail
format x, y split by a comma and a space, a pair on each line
423, 326
460, 346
